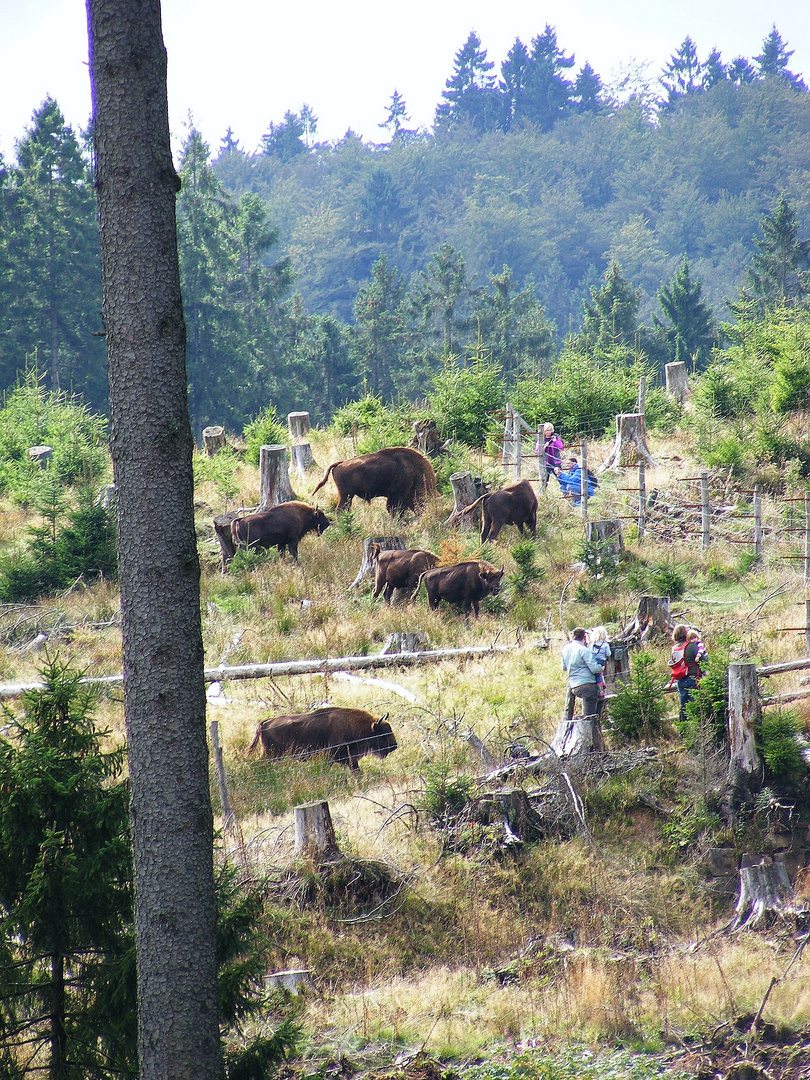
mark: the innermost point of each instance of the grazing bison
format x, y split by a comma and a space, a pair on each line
344, 735
282, 527
402, 476
516, 504
466, 583
399, 569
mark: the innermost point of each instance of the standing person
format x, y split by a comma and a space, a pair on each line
600, 650
684, 666
582, 668
552, 452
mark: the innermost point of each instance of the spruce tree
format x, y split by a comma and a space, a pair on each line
682, 75
396, 115
380, 334
547, 92
773, 60
587, 91
470, 96
691, 325
610, 317
780, 268
741, 71
714, 70
285, 141
442, 288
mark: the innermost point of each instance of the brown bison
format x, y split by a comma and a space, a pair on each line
516, 504
282, 527
399, 569
466, 583
344, 735
400, 475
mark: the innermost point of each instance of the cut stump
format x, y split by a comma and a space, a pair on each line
765, 891
745, 768
222, 528
630, 445
387, 543
274, 477
464, 494
314, 831
302, 459
578, 737
213, 439
298, 426
652, 618
677, 381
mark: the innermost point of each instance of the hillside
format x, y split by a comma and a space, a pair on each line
433, 935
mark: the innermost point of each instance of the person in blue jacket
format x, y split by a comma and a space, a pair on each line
571, 482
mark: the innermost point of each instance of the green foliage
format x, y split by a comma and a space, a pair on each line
690, 821
34, 416
777, 745
570, 1062
528, 573
445, 795
219, 470
638, 711
465, 397
263, 430
707, 708
601, 557
669, 578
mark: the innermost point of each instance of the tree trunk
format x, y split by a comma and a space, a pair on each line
608, 529
577, 737
464, 494
765, 890
298, 426
314, 832
745, 768
387, 543
677, 381
302, 459
151, 445
274, 477
213, 439
630, 443
222, 527
651, 619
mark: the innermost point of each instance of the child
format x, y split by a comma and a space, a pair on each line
600, 650
701, 656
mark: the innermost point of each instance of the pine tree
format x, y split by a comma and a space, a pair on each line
587, 91
682, 75
773, 60
514, 325
285, 141
547, 92
442, 287
379, 337
610, 317
396, 115
741, 71
229, 144
470, 96
691, 324
50, 248
513, 83
714, 70
780, 269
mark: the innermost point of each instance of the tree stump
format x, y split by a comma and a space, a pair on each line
488, 762
298, 426
511, 806
387, 543
464, 494
577, 737
293, 980
677, 381
652, 617
40, 455
608, 530
107, 497
399, 643
745, 768
274, 477
765, 890
302, 459
213, 439
222, 528
630, 444
314, 832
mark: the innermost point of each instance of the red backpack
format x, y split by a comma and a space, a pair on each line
677, 665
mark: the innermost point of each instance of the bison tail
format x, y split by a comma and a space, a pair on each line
415, 592
255, 742
473, 505
326, 476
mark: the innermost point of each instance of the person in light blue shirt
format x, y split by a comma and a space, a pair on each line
583, 669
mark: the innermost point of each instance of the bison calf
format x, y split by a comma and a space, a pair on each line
516, 504
281, 527
466, 583
344, 735
399, 569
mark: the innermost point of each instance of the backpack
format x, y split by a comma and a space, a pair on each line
678, 666
592, 479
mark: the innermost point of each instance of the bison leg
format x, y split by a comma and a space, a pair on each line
388, 592
533, 524
292, 547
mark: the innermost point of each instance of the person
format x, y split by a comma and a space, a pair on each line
582, 667
552, 450
684, 665
571, 482
702, 656
600, 650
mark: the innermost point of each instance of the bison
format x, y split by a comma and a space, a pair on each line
282, 527
400, 475
516, 504
399, 569
344, 735
466, 583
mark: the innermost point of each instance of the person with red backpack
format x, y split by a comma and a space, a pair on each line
684, 665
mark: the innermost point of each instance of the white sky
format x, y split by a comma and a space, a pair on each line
242, 63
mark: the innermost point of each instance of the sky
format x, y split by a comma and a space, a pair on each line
243, 63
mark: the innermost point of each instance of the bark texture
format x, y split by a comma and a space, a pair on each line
151, 445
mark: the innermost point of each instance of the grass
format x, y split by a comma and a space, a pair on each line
617, 909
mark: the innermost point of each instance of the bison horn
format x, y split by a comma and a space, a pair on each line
382, 720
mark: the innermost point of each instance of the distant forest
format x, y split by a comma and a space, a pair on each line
542, 208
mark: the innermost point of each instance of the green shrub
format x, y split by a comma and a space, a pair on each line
465, 397
528, 573
263, 430
776, 743
445, 795
669, 578
707, 708
601, 557
376, 425
358, 415
638, 711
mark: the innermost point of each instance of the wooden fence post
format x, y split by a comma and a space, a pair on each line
583, 482
705, 510
508, 433
745, 770
807, 537
517, 419
642, 394
807, 624
757, 521
642, 497
274, 477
